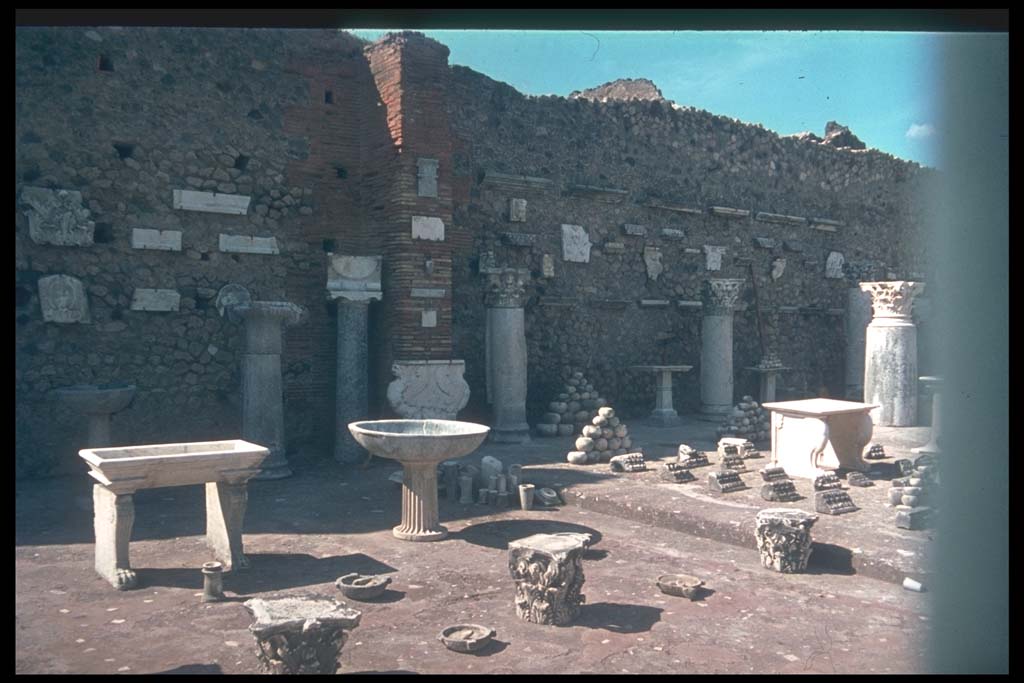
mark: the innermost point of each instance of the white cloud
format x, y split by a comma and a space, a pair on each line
920, 130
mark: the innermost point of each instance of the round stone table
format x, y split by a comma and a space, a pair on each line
664, 414
933, 384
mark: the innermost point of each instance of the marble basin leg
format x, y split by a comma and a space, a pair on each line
419, 504
933, 445
113, 520
225, 511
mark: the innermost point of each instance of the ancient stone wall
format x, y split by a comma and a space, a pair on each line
666, 193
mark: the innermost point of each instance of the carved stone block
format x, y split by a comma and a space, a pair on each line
427, 228
548, 572
300, 635
770, 474
834, 502
673, 234
676, 473
155, 300
634, 230
575, 244
827, 481
784, 539
428, 389
57, 217
63, 299
858, 479
904, 467
426, 177
248, 244
356, 278
614, 248
627, 462
160, 240
213, 202
725, 481
733, 462
691, 457
517, 210
914, 519
875, 452
713, 257
834, 265
783, 491
652, 260
778, 268
547, 265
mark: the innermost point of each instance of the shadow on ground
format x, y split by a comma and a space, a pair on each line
498, 534
618, 618
211, 669
827, 558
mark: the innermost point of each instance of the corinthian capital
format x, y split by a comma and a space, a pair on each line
720, 295
892, 299
506, 288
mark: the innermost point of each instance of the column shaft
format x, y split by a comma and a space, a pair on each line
351, 387
507, 360
263, 410
716, 381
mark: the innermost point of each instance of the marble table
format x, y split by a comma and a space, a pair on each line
816, 434
934, 384
766, 380
664, 414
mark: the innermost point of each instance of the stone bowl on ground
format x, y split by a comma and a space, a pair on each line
102, 399
681, 585
419, 441
360, 587
466, 637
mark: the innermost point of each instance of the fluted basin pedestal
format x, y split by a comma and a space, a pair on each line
419, 445
97, 403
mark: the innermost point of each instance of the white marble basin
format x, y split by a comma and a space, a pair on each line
130, 468
89, 399
419, 441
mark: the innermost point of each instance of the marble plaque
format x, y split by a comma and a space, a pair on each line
156, 300
427, 228
519, 239
614, 248
517, 210
160, 240
713, 256
57, 217
63, 299
547, 265
834, 265
428, 318
634, 230
652, 259
766, 242
356, 278
426, 177
575, 244
247, 244
426, 293
213, 202
672, 234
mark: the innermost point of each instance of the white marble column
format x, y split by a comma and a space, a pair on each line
890, 356
716, 376
858, 315
506, 354
262, 393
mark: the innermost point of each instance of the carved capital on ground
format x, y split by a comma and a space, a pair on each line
784, 539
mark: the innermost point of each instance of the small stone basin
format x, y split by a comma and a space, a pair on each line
127, 469
466, 637
681, 585
419, 445
360, 587
102, 399
419, 441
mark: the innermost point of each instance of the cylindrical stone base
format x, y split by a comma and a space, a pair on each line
716, 377
890, 371
419, 504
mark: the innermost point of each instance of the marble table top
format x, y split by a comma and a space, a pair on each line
658, 368
819, 407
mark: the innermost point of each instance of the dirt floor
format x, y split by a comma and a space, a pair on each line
303, 532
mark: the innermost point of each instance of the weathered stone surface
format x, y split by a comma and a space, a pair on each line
652, 261
691, 457
351, 402
628, 462
778, 268
614, 248
248, 244
575, 244
716, 355
519, 239
505, 354
548, 573
766, 242
713, 257
780, 491
914, 519
155, 300
300, 635
355, 278
428, 388
858, 479
190, 200
834, 265
827, 481
63, 299
676, 473
725, 481
428, 318
634, 230
729, 212
811, 435
517, 210
769, 474
57, 217
427, 228
890, 361
834, 502
547, 265
876, 451
426, 293
837, 135
426, 177
160, 240
672, 234
784, 539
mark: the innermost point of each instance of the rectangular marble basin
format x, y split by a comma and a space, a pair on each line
125, 469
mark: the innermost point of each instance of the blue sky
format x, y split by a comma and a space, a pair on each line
883, 85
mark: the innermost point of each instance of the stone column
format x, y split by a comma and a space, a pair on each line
420, 520
352, 283
300, 635
890, 357
784, 538
858, 315
548, 571
506, 354
262, 394
934, 443
114, 515
716, 377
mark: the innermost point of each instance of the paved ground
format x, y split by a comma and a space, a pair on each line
304, 532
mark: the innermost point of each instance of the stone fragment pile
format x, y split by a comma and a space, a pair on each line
914, 495
574, 408
747, 420
605, 437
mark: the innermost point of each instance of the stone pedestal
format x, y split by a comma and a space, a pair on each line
548, 571
766, 376
262, 395
664, 414
352, 283
858, 315
98, 403
890, 357
818, 434
784, 539
428, 389
934, 443
506, 354
716, 376
300, 635
420, 521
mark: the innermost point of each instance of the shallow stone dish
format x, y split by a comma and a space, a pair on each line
360, 587
547, 497
681, 585
466, 637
